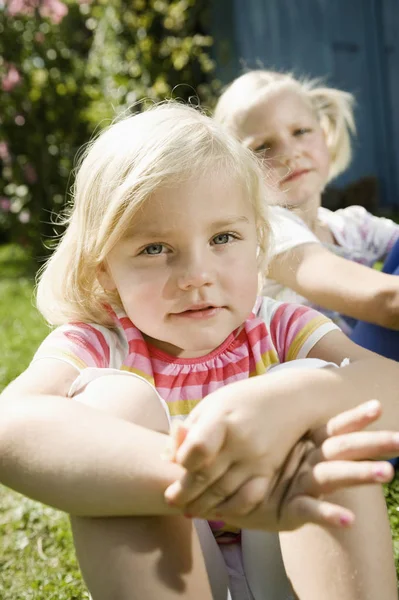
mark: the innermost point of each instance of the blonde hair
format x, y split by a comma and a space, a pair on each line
333, 108
118, 172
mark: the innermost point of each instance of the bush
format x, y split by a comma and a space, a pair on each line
67, 67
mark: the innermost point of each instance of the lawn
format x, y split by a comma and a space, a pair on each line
37, 561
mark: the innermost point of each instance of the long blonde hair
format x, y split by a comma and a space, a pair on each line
118, 172
333, 108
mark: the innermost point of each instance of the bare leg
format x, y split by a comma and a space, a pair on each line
355, 564
137, 557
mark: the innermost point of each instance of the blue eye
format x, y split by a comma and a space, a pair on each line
222, 238
153, 249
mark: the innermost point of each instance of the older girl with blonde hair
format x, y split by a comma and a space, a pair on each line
154, 291
302, 130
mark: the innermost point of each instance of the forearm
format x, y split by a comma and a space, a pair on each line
81, 460
326, 392
350, 289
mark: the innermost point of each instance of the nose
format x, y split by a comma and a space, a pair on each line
195, 270
287, 151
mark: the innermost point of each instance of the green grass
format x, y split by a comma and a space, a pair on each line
37, 560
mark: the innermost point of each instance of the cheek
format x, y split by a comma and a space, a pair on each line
322, 156
140, 288
243, 270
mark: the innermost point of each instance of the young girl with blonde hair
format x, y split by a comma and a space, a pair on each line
303, 130
154, 291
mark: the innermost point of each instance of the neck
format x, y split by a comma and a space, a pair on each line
308, 212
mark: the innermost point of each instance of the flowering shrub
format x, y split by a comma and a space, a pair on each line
67, 66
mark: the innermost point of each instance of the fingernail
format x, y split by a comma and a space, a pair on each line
346, 520
372, 407
171, 491
396, 439
382, 472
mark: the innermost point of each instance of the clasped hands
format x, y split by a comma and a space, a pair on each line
242, 467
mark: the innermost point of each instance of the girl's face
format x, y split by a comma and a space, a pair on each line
186, 271
285, 131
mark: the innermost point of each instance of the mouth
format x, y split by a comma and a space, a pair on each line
199, 311
294, 175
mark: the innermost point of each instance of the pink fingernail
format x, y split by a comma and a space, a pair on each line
382, 472
345, 520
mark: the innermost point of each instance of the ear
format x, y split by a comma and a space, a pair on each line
105, 278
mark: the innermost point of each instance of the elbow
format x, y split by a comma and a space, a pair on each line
386, 311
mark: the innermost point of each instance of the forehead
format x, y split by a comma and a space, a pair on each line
275, 110
196, 202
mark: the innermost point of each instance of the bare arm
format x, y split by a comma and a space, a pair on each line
339, 284
367, 376
74, 457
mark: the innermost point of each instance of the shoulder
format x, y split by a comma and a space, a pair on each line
85, 345
349, 215
288, 230
294, 328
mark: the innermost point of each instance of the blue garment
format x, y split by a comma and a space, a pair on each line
373, 337
379, 339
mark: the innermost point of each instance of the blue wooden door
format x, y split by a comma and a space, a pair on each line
351, 44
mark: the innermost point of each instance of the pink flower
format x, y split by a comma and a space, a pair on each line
21, 7
30, 173
55, 10
10, 79
5, 204
4, 152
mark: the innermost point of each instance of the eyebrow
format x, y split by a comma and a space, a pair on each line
164, 233
229, 221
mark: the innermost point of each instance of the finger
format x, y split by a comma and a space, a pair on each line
301, 510
354, 419
349, 421
178, 433
244, 500
220, 491
202, 444
191, 485
359, 446
327, 477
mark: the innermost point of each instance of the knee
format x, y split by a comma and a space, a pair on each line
126, 397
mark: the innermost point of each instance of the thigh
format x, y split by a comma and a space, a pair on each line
351, 564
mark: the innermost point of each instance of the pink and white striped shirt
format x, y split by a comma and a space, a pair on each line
274, 333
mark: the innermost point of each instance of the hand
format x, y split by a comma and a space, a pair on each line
236, 432
291, 499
